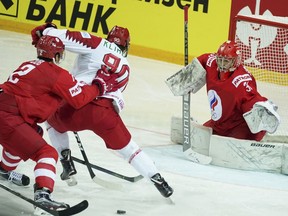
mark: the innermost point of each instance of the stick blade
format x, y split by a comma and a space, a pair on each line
106, 184
196, 157
74, 209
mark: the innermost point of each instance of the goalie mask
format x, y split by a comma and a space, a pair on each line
121, 37
228, 57
50, 48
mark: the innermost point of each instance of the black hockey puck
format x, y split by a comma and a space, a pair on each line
121, 212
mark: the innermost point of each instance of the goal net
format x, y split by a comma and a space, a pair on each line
264, 44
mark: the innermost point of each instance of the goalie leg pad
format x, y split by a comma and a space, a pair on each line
246, 154
200, 135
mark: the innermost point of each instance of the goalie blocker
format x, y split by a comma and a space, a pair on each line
189, 79
234, 153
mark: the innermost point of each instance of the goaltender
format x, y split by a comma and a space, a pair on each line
238, 110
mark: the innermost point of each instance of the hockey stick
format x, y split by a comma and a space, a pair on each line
97, 180
127, 178
187, 147
186, 97
69, 211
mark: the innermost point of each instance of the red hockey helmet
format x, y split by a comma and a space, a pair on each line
121, 37
228, 57
49, 47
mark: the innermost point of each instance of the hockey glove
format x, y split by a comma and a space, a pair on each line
37, 32
105, 81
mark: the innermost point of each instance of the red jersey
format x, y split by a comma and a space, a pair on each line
39, 87
230, 99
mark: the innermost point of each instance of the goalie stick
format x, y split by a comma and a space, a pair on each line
103, 183
186, 97
187, 147
66, 212
127, 178
180, 86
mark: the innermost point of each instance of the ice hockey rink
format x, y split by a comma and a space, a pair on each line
199, 190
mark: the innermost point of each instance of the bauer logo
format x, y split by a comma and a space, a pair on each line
186, 120
261, 145
75, 90
9, 8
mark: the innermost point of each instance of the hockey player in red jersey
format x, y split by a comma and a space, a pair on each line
101, 115
30, 95
237, 108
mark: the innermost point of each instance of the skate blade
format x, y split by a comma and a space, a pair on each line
170, 201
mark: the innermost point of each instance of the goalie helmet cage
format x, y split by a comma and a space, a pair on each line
263, 41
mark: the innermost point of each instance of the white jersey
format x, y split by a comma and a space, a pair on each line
94, 53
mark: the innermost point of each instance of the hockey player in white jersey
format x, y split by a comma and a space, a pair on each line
98, 55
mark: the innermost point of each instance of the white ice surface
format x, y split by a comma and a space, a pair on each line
199, 190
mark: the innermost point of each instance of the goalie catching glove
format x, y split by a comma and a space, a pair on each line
37, 32
262, 117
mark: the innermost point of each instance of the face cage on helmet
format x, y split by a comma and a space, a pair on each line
226, 64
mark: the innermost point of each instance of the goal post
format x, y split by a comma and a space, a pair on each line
263, 41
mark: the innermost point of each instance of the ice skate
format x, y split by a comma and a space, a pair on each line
14, 177
68, 168
162, 185
43, 197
